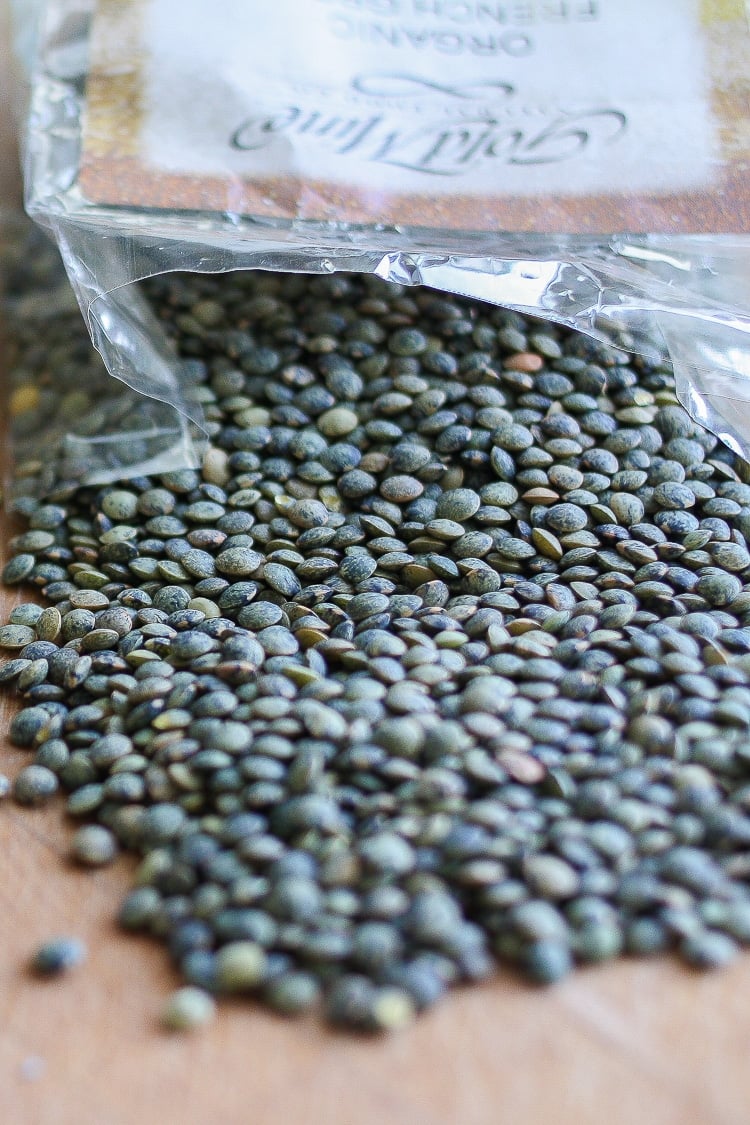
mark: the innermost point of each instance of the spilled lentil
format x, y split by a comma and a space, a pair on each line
57, 956
440, 660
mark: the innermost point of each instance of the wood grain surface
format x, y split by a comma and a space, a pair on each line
641, 1041
619, 1045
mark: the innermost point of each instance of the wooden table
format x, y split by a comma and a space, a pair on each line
634, 1042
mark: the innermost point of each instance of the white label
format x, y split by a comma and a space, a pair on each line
486, 98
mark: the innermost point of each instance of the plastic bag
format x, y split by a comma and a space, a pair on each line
583, 161
70, 421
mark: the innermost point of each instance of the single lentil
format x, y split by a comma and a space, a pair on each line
94, 846
57, 956
187, 1009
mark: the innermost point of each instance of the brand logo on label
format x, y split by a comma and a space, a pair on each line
469, 125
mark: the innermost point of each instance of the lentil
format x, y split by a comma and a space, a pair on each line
187, 1009
57, 956
34, 785
94, 846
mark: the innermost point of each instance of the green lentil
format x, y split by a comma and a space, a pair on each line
16, 636
546, 962
188, 1008
708, 949
240, 966
57, 956
94, 846
292, 992
34, 785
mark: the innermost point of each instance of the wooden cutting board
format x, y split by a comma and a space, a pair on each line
638, 1041
629, 1043
634, 1042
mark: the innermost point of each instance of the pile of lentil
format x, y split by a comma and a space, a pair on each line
440, 660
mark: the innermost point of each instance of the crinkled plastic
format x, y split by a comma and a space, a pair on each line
583, 161
70, 421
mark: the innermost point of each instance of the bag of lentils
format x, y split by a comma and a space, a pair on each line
441, 658
583, 161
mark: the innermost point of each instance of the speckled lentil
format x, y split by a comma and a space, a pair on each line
188, 1008
93, 845
57, 956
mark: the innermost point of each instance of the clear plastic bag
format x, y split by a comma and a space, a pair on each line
70, 421
583, 161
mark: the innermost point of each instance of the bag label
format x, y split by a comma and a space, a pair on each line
555, 116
